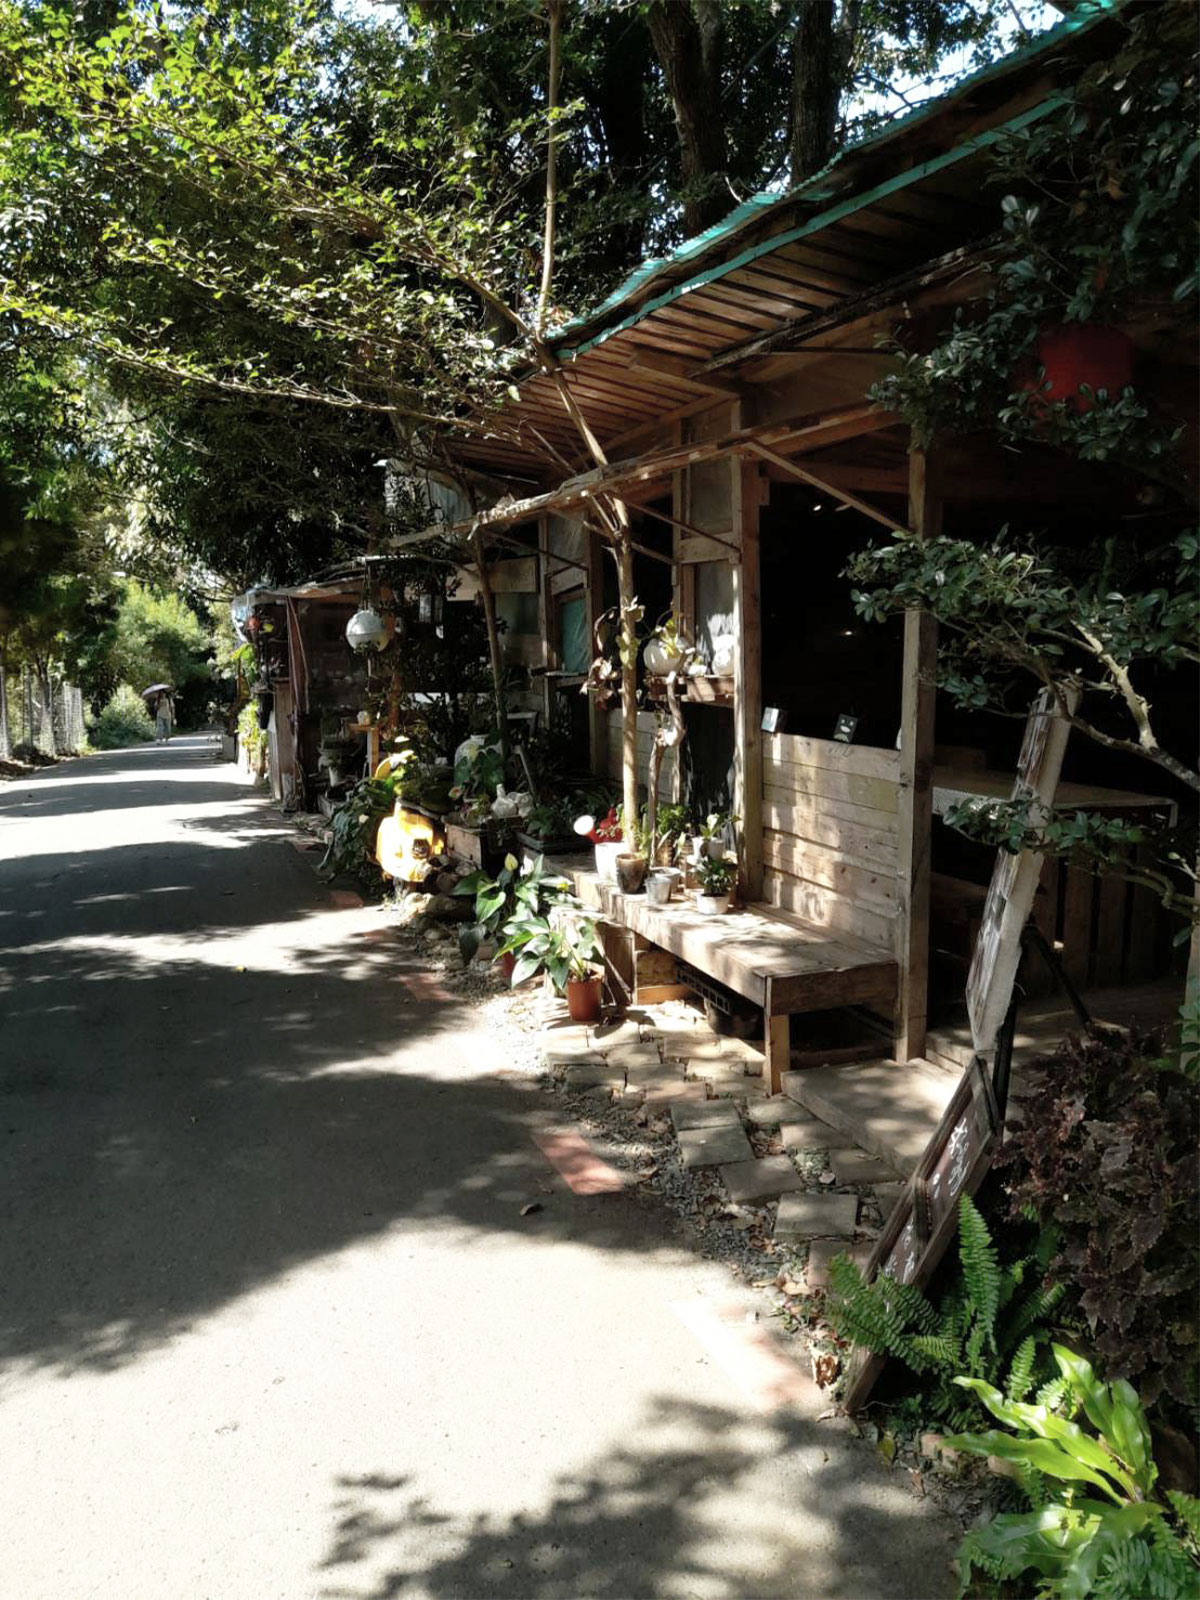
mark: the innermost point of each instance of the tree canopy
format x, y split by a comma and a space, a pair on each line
312, 239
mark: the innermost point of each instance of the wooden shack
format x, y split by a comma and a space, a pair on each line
729, 388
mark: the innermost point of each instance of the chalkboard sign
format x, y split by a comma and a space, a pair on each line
925, 1217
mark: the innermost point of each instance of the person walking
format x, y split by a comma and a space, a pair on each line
164, 712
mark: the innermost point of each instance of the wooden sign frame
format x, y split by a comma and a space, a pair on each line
957, 1158
925, 1218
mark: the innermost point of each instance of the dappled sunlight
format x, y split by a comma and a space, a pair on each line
682, 1499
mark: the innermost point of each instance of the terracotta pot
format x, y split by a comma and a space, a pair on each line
506, 963
583, 999
631, 873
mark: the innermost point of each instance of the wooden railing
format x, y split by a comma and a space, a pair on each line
829, 834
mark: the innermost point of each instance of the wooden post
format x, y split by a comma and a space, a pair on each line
747, 679
915, 820
597, 717
546, 617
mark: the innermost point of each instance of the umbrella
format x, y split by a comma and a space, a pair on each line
157, 688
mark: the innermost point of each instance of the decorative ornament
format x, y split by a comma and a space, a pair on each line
366, 630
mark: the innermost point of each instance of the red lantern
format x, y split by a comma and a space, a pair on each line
1078, 355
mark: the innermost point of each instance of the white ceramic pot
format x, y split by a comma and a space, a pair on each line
660, 659
606, 860
712, 905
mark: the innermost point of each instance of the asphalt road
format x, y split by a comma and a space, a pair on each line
271, 1321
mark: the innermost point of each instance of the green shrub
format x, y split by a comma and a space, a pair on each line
354, 825
1105, 1533
124, 720
251, 737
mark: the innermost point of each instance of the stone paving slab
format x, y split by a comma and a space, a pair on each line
717, 1070
737, 1088
765, 1179
815, 1135
856, 1166
817, 1216
607, 1035
777, 1112
595, 1074
888, 1194
822, 1251
668, 1095
626, 1056
713, 1147
721, 1050
705, 1114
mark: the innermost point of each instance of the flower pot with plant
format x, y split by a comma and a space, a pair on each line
667, 650
499, 898
564, 945
609, 839
715, 880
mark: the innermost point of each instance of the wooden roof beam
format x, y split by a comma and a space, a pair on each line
680, 367
863, 507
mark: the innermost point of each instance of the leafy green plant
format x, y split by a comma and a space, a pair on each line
564, 944
553, 819
478, 774
715, 875
993, 1321
716, 825
1126, 1545
498, 899
354, 825
1107, 1149
672, 827
124, 720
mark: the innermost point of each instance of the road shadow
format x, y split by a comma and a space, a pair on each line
663, 1514
180, 1126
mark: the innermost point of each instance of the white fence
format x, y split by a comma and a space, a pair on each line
39, 715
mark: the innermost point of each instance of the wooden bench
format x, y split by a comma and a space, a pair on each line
772, 957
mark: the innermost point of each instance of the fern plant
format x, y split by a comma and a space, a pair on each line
992, 1322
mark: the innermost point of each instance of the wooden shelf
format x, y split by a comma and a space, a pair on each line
699, 691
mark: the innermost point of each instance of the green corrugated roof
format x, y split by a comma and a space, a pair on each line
819, 187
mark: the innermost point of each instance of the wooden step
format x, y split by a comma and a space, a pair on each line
888, 1109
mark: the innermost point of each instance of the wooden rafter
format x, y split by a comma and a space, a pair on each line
786, 464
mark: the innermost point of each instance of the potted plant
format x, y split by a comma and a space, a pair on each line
497, 901
565, 946
672, 828
666, 650
609, 839
715, 879
631, 862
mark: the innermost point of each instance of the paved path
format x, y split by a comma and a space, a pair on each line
271, 1322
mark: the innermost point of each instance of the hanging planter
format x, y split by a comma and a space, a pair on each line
1074, 362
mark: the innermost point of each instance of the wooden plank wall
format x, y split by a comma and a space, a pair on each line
646, 725
830, 834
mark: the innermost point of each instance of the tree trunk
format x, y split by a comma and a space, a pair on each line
493, 638
627, 653
822, 48
687, 42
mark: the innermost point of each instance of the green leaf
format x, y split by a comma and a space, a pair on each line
1042, 1454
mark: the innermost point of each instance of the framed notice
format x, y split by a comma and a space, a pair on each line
774, 719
